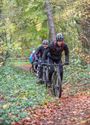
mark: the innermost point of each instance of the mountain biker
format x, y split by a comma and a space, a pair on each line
32, 57
39, 53
54, 53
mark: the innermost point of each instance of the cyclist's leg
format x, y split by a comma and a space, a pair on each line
61, 71
40, 72
51, 70
34, 67
61, 77
61, 74
60, 68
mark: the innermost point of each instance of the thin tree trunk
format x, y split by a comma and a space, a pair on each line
50, 21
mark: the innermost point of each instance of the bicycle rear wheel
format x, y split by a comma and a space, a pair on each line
56, 85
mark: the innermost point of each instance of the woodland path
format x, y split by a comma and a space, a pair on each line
68, 110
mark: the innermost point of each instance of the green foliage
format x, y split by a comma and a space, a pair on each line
18, 91
76, 72
24, 23
24, 20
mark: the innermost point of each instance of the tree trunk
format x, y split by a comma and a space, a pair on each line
50, 21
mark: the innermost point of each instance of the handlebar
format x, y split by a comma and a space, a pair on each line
47, 64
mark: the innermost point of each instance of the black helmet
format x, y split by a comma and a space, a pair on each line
45, 42
59, 37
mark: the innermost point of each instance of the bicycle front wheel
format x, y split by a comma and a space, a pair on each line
56, 85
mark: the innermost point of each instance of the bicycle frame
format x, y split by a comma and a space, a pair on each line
45, 74
56, 81
56, 84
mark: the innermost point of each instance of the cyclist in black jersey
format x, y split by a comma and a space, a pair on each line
54, 53
39, 54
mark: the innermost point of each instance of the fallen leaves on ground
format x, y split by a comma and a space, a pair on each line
72, 110
26, 67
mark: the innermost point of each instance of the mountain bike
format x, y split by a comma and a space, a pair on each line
56, 81
45, 71
45, 77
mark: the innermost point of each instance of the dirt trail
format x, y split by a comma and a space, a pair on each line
68, 110
72, 110
26, 67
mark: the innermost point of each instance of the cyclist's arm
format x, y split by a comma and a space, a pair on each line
44, 57
66, 50
37, 53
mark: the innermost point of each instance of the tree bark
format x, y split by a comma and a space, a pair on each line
51, 25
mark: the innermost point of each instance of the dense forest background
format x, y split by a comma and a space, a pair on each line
24, 24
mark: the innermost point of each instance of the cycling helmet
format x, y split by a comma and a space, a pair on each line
59, 37
45, 42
